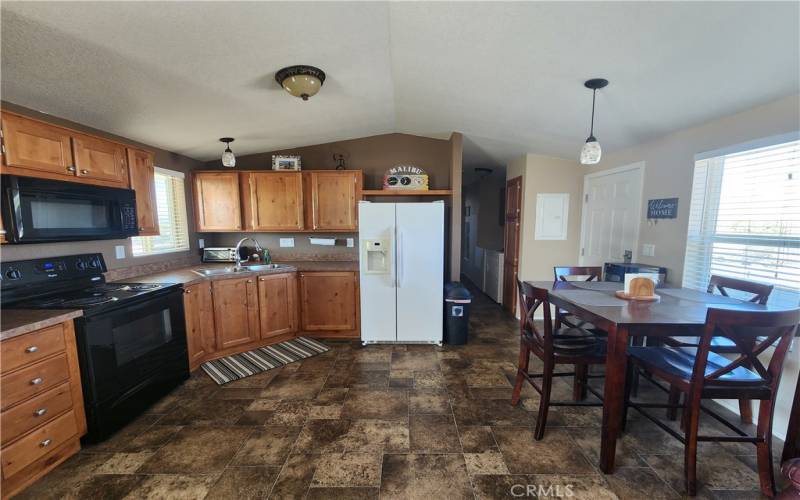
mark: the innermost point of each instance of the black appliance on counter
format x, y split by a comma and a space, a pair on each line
615, 271
131, 338
40, 211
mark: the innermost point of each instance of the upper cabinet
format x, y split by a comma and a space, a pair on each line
272, 201
141, 173
217, 202
334, 199
37, 149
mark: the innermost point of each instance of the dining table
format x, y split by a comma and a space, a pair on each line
676, 312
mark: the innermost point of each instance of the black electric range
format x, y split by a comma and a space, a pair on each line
131, 338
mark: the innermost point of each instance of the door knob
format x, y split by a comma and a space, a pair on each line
84, 171
71, 169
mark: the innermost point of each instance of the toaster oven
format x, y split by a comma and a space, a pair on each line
220, 254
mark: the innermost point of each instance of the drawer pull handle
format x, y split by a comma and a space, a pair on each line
40, 412
31, 349
71, 169
84, 171
46, 443
37, 381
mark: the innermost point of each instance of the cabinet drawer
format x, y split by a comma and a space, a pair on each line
22, 418
31, 347
32, 380
38, 443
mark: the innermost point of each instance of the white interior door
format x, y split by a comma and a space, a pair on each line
376, 221
420, 271
611, 215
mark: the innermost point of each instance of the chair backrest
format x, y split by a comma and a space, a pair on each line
752, 332
722, 284
530, 299
563, 272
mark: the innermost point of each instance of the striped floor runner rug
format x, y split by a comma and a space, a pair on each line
245, 364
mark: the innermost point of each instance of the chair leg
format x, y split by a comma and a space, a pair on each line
766, 474
629, 374
544, 402
636, 341
673, 400
692, 417
522, 368
579, 391
746, 411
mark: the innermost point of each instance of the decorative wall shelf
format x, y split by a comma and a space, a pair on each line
402, 192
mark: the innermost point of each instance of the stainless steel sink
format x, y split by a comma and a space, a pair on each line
217, 271
265, 267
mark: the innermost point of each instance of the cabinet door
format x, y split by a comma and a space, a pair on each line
277, 296
142, 178
272, 201
328, 300
99, 160
235, 312
199, 311
37, 146
216, 199
334, 199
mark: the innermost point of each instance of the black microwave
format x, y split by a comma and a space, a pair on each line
42, 211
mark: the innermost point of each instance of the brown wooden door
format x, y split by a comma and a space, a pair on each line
328, 301
277, 296
142, 179
513, 218
216, 198
99, 160
272, 201
199, 311
36, 146
235, 312
334, 199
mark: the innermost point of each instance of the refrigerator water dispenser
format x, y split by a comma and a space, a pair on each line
376, 256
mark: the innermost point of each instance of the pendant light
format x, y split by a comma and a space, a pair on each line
591, 152
301, 81
228, 159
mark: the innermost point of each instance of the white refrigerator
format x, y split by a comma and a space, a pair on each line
402, 272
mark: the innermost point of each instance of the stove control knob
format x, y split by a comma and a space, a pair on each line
13, 274
94, 263
81, 265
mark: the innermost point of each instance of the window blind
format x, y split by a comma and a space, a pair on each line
172, 224
744, 220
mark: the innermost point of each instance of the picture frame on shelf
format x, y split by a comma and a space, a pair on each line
286, 162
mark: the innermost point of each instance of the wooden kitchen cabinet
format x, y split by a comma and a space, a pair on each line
217, 201
277, 296
329, 303
236, 317
198, 308
42, 421
141, 173
37, 148
99, 160
272, 201
333, 199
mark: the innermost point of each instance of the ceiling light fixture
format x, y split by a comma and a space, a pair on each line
300, 81
228, 159
591, 152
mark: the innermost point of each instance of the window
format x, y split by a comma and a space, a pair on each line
172, 225
744, 219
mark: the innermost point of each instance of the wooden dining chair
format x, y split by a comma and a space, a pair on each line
577, 273
705, 374
759, 294
563, 346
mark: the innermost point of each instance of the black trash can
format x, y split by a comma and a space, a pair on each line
457, 300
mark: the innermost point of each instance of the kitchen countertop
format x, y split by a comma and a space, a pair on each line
16, 322
186, 275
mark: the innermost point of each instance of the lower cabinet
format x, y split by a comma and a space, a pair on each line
235, 312
200, 334
277, 296
329, 303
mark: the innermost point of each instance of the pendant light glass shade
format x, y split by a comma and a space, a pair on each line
228, 158
591, 152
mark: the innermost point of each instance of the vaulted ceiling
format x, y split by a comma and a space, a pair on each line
179, 75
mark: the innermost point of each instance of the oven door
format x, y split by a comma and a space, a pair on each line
125, 350
37, 210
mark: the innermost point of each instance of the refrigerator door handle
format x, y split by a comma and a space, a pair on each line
392, 257
400, 264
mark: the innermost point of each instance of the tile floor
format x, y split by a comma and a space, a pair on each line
391, 422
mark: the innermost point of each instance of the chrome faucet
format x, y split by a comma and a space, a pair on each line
260, 250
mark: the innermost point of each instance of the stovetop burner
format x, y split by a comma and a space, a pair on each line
129, 287
89, 301
94, 296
